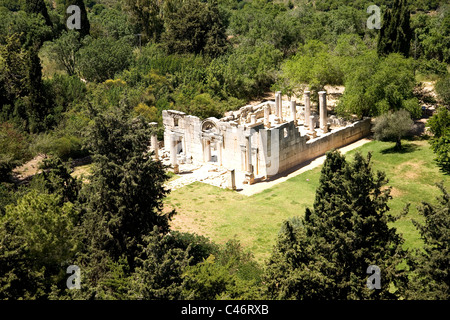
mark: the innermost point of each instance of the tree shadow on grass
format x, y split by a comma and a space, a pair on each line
406, 148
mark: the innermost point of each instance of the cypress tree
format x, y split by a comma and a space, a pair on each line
125, 193
326, 254
85, 25
38, 7
431, 276
395, 34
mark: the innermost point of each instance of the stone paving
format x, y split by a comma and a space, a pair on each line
217, 176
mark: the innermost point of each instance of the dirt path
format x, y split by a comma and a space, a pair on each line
29, 168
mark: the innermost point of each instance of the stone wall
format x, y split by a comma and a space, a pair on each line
296, 149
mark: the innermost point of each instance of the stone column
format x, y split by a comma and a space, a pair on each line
267, 116
154, 140
231, 179
323, 111
307, 95
248, 149
277, 99
253, 119
249, 168
294, 111
173, 153
280, 107
155, 146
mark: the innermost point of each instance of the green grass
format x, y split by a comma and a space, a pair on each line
256, 220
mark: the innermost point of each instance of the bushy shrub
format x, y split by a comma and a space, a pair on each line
13, 149
443, 89
393, 126
64, 147
100, 59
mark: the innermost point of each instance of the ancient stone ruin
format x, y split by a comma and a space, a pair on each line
260, 141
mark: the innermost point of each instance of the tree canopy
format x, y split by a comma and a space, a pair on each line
326, 254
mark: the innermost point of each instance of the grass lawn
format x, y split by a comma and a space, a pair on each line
222, 214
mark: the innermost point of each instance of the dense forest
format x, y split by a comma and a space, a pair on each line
73, 93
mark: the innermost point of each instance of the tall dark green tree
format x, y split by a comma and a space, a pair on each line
395, 33
147, 13
24, 99
440, 143
56, 179
431, 276
38, 7
326, 255
85, 25
195, 27
125, 193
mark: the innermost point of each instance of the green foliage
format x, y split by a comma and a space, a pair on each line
238, 261
125, 193
395, 33
248, 71
432, 35
374, 86
441, 147
35, 244
204, 106
431, 278
116, 283
200, 247
439, 123
64, 147
164, 259
38, 7
147, 13
326, 255
443, 89
112, 23
350, 46
13, 149
431, 67
31, 29
194, 26
160, 269
209, 280
222, 54
312, 66
65, 92
56, 179
24, 101
12, 5
65, 51
440, 126
100, 59
269, 22
393, 126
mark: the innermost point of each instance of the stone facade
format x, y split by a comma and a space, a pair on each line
260, 141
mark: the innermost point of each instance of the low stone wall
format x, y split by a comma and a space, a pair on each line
295, 149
